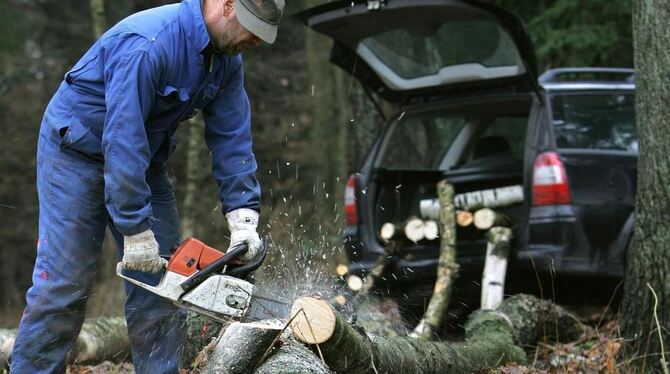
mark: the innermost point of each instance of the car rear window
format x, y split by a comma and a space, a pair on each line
503, 140
424, 49
419, 143
595, 121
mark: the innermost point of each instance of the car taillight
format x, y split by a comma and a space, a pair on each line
550, 184
350, 210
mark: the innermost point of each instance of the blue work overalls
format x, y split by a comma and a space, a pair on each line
101, 161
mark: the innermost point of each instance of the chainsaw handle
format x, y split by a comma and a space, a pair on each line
214, 267
242, 270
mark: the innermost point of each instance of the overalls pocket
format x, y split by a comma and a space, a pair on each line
78, 137
170, 98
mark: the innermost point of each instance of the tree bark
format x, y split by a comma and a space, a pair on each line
241, 347
7, 338
493, 198
486, 218
328, 127
446, 266
98, 16
200, 332
293, 357
100, 339
491, 339
194, 175
495, 267
649, 252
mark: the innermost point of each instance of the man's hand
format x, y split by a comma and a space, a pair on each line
242, 224
140, 252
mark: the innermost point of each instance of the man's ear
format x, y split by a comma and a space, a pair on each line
228, 8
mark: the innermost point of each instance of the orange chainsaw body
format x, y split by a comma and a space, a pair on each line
193, 255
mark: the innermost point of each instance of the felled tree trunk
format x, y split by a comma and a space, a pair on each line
240, 348
100, 339
7, 337
200, 331
293, 357
446, 265
491, 338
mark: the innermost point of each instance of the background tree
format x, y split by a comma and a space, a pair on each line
649, 254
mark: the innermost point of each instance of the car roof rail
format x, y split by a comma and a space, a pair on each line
599, 75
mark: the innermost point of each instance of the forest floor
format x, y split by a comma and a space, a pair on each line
595, 353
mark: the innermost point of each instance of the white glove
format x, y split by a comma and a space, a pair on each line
242, 224
140, 252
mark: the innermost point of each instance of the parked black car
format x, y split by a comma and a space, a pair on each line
472, 110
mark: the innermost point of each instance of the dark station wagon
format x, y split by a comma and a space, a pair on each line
472, 109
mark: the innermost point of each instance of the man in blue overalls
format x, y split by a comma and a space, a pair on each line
101, 161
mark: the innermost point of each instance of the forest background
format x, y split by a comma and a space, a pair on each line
312, 125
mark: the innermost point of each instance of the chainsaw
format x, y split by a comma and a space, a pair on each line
209, 282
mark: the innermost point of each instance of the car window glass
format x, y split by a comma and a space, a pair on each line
423, 49
595, 121
419, 143
504, 137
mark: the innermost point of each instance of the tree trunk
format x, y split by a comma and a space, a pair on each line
293, 357
649, 254
491, 339
98, 16
100, 339
446, 266
200, 332
495, 267
194, 176
328, 129
241, 347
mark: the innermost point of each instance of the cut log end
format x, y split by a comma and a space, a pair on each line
486, 218
355, 283
341, 270
387, 231
430, 230
313, 320
414, 229
464, 218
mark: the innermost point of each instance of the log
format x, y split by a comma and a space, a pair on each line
430, 230
495, 267
464, 218
491, 339
200, 332
354, 282
341, 270
493, 198
486, 218
7, 337
100, 339
411, 229
293, 357
241, 347
446, 266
